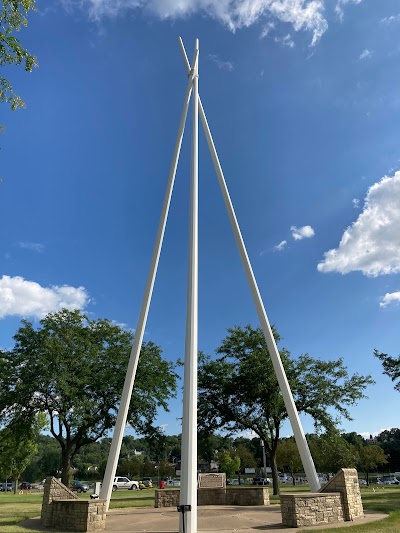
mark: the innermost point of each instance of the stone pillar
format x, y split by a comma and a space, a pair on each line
53, 490
346, 482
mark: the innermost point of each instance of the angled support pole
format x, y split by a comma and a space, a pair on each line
113, 456
301, 441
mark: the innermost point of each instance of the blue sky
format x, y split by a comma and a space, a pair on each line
302, 100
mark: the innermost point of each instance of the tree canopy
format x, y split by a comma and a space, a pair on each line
288, 457
391, 367
371, 457
73, 369
331, 452
18, 445
239, 391
13, 16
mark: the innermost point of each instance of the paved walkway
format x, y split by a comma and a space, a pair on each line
212, 519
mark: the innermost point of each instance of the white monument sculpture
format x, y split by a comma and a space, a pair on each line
188, 490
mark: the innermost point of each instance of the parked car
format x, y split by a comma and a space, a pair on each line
25, 485
362, 482
147, 481
173, 482
262, 481
9, 487
79, 486
390, 480
125, 483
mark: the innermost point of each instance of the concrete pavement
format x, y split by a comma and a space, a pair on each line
211, 519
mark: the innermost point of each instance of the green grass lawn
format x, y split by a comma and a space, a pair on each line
15, 508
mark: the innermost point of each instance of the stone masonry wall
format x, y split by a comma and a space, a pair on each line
300, 510
62, 509
230, 496
166, 498
79, 515
53, 490
346, 482
247, 496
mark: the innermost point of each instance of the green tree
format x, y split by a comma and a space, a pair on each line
229, 463
18, 444
132, 467
247, 459
389, 441
46, 461
239, 391
73, 369
211, 444
332, 452
354, 438
13, 16
288, 457
371, 456
391, 367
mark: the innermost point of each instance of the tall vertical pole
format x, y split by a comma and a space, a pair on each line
300, 438
188, 492
264, 458
115, 449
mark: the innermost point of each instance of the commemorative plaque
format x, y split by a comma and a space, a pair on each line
212, 481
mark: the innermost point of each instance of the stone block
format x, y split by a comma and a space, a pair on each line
229, 496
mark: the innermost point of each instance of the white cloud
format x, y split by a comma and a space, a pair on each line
340, 5
366, 54
235, 14
285, 41
368, 434
372, 243
390, 298
27, 298
222, 65
33, 246
356, 203
281, 246
267, 29
305, 232
392, 18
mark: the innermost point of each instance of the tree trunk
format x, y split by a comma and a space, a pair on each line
275, 479
15, 485
66, 466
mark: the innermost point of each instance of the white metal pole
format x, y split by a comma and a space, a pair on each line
115, 449
188, 492
301, 441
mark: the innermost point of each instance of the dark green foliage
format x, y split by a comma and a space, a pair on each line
18, 444
371, 457
46, 461
288, 457
389, 441
239, 391
73, 369
331, 452
13, 16
391, 367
